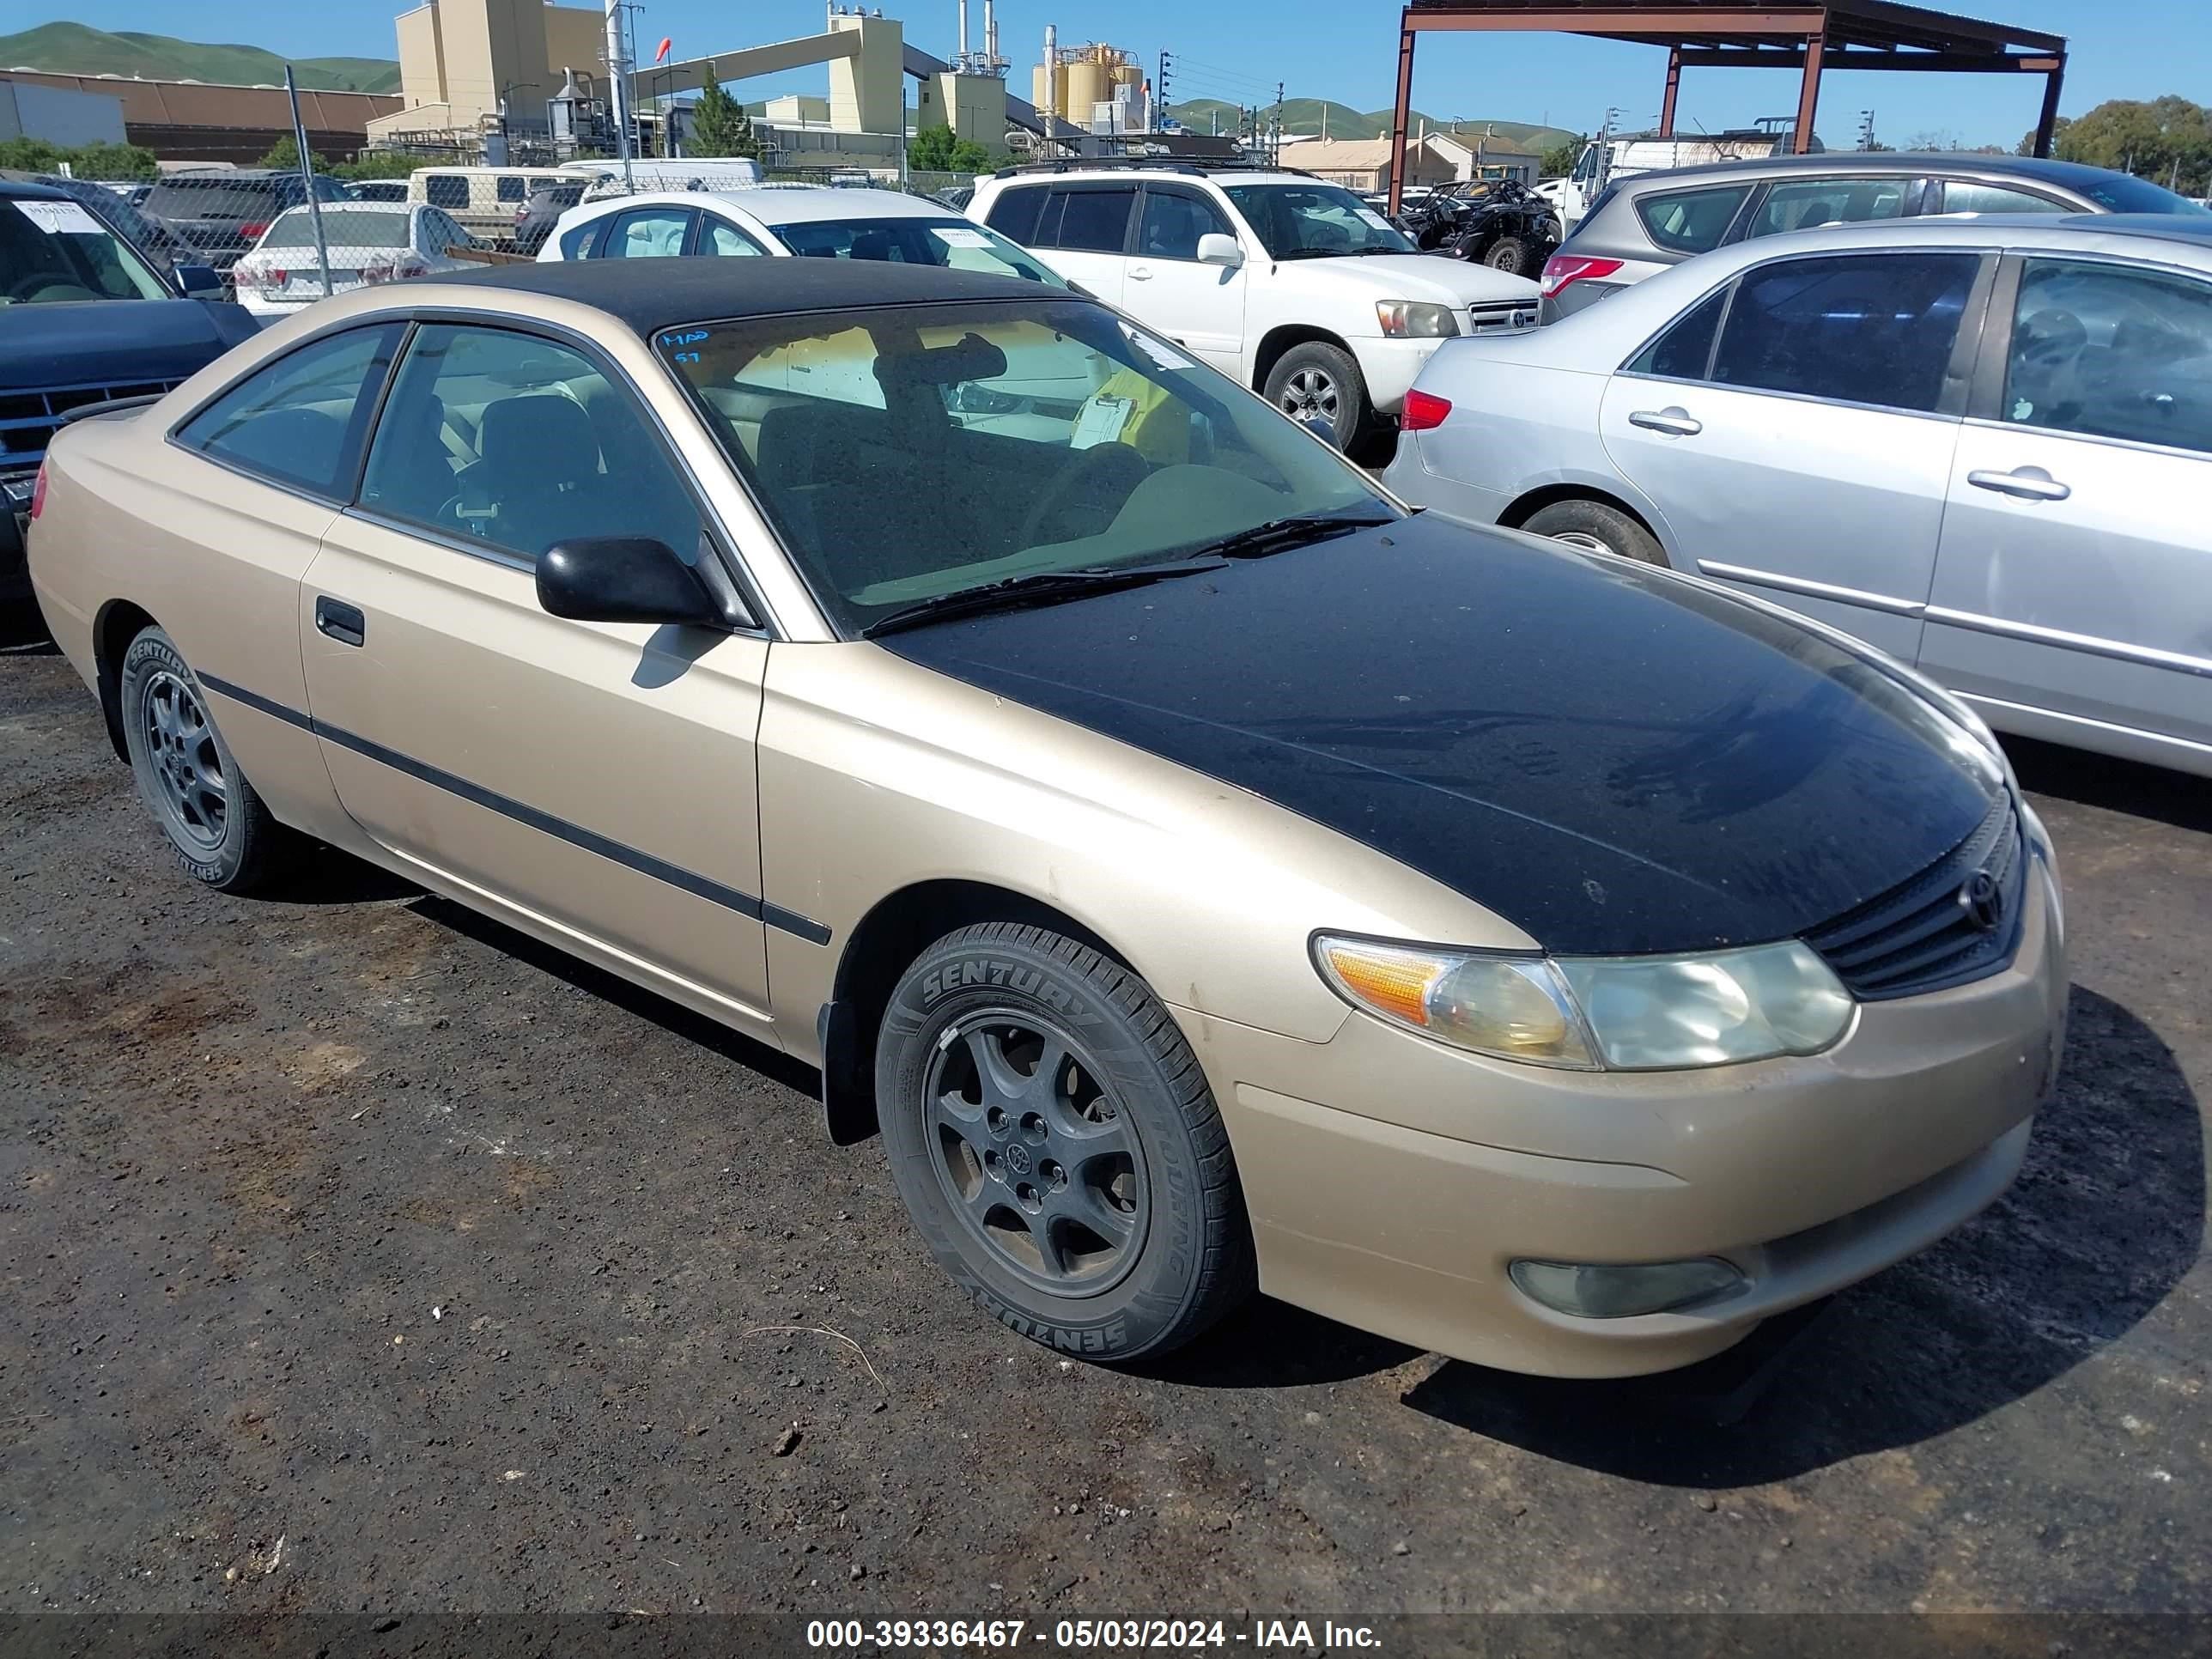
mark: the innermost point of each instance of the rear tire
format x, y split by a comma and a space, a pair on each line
1597, 528
1320, 387
1509, 254
1057, 1146
217, 824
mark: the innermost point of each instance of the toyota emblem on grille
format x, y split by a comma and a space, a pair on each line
1983, 902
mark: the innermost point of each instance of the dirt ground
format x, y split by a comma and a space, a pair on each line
364, 1256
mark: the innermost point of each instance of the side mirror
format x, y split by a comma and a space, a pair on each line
622, 579
1216, 249
198, 282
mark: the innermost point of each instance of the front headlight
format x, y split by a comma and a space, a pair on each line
1413, 319
1591, 1013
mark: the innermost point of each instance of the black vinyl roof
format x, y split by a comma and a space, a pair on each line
22, 190
648, 295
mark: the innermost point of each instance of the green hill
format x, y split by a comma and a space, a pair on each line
74, 49
1303, 116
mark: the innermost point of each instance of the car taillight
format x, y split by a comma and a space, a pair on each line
1423, 412
261, 229
39, 491
1562, 269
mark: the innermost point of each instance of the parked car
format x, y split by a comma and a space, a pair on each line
483, 201
956, 197
1272, 277
221, 215
150, 236
802, 221
84, 318
1498, 223
535, 219
377, 189
1643, 224
1186, 859
368, 242
1982, 446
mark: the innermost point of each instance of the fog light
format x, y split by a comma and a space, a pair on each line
1607, 1290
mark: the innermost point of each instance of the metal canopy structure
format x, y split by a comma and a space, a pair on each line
1807, 35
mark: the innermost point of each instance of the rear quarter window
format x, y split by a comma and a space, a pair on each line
1015, 213
1691, 221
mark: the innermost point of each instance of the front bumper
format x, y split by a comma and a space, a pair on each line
15, 530
1389, 367
1392, 1181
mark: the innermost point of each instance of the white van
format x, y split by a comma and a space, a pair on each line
484, 201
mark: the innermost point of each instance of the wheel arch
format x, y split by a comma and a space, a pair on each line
899, 928
1282, 338
1527, 506
118, 624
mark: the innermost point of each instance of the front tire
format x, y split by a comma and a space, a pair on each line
1599, 529
1319, 387
1509, 255
1057, 1146
218, 827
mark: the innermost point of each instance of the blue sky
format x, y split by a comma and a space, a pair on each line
1323, 48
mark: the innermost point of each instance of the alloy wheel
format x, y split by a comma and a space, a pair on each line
1042, 1165
1310, 395
186, 768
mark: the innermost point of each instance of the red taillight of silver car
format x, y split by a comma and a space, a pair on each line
1423, 412
1562, 269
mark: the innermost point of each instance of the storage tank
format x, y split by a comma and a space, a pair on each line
1041, 92
1089, 82
1127, 74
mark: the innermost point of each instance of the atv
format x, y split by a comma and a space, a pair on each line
1498, 223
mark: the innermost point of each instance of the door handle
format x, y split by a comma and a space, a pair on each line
342, 623
2030, 483
1674, 421
1140, 273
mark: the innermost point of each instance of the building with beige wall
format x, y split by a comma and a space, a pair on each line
460, 58
973, 106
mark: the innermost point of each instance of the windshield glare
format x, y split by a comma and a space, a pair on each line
1305, 221
914, 452
947, 242
54, 253
2123, 194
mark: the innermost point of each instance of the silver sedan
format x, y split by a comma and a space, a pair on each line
1982, 446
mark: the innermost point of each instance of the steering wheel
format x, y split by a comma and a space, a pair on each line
1105, 472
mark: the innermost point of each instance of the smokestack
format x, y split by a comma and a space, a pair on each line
990, 30
963, 58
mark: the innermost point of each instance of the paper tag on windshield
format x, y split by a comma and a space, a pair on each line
1373, 218
954, 236
1162, 355
57, 218
1101, 421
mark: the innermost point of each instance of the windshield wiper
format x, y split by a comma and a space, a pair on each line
1038, 587
1278, 535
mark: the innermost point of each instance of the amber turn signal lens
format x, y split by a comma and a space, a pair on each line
1396, 983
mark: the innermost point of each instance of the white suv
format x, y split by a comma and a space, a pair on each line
1292, 284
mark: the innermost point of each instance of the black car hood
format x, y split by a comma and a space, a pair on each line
1614, 759
114, 341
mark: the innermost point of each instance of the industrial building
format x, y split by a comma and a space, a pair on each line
198, 121
59, 115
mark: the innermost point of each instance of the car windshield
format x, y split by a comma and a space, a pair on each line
947, 242
2123, 194
1311, 222
54, 252
351, 227
909, 453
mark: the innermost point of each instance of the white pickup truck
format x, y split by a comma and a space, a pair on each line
1290, 284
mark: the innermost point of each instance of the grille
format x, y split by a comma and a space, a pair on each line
1919, 937
27, 419
1507, 318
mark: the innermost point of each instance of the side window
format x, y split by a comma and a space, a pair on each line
1097, 221
1805, 204
299, 420
1961, 197
447, 190
513, 187
1014, 214
580, 242
2114, 353
1691, 221
648, 233
517, 442
1174, 221
1857, 328
1686, 350
724, 238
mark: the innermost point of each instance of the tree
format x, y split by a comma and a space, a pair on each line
284, 156
719, 125
1560, 159
937, 149
2167, 140
378, 164
99, 160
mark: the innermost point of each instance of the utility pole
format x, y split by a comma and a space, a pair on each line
1866, 129
1160, 101
1275, 143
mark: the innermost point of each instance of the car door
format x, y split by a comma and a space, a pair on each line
1807, 458
1199, 307
2075, 575
596, 779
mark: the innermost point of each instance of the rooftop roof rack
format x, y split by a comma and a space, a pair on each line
1199, 169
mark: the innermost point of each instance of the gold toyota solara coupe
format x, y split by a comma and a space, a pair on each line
1202, 871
